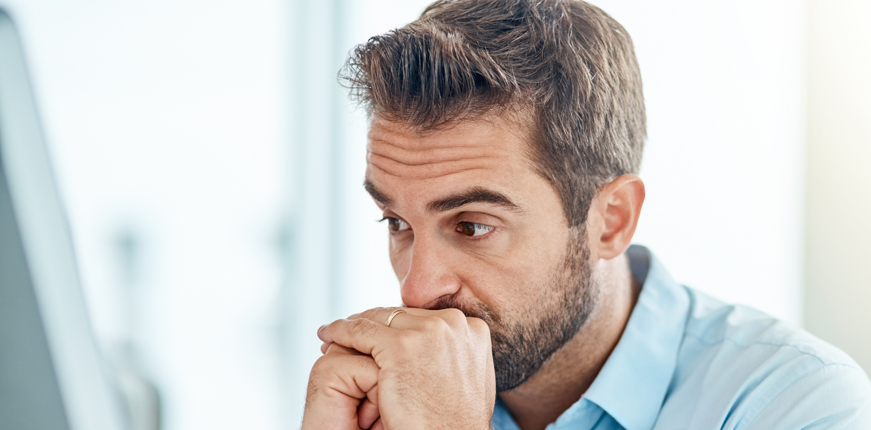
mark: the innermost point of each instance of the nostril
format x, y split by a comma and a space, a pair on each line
424, 291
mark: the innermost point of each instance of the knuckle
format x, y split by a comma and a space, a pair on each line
320, 368
373, 313
478, 325
358, 326
329, 327
325, 362
366, 363
434, 323
453, 315
406, 340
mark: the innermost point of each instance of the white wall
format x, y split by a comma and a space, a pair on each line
166, 121
725, 90
839, 176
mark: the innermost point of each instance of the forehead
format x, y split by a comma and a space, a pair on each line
409, 171
468, 148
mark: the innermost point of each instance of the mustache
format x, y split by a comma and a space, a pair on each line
470, 310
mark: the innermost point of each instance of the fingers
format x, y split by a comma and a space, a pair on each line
345, 374
364, 332
361, 334
367, 332
400, 321
333, 348
338, 382
380, 315
368, 411
453, 347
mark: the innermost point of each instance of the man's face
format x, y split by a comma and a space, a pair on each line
473, 226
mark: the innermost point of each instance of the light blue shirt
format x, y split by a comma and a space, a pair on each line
688, 361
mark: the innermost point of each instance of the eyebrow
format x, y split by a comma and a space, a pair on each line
378, 196
472, 195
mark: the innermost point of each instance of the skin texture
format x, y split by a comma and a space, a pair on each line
503, 264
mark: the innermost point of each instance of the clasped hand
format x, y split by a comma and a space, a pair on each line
429, 369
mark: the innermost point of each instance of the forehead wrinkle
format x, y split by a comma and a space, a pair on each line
419, 155
427, 163
417, 173
411, 144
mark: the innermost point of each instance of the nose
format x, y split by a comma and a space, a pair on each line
429, 274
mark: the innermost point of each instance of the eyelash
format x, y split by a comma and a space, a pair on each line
456, 228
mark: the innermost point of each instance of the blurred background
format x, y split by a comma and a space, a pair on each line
211, 167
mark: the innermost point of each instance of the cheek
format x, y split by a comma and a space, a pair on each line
521, 281
503, 288
398, 260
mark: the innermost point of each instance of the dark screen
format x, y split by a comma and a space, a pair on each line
29, 393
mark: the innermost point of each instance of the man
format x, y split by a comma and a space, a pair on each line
504, 143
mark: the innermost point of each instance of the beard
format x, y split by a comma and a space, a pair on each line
523, 343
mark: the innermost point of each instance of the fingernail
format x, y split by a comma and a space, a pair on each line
320, 329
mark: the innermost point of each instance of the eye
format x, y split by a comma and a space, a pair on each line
473, 229
396, 224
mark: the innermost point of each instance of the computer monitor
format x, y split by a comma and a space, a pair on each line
52, 376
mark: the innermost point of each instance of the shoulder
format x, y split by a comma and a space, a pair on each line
835, 396
739, 368
747, 332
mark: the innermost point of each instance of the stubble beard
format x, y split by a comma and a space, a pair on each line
523, 343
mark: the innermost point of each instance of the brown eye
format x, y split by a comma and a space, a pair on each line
396, 225
473, 229
467, 228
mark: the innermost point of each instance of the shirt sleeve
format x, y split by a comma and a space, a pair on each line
834, 397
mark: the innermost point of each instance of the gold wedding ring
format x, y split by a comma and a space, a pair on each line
393, 315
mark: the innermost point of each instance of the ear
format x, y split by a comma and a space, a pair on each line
614, 215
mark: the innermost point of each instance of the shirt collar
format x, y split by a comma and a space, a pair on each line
632, 385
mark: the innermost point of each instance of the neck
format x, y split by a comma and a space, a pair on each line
570, 371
